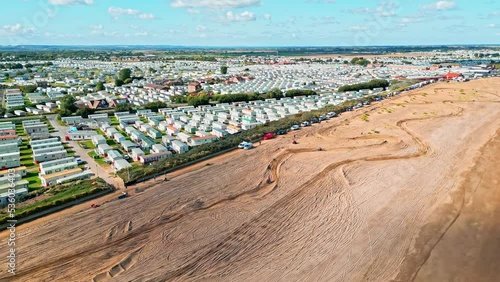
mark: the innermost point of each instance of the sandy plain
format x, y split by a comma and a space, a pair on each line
404, 190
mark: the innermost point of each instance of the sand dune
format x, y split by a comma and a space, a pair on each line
383, 201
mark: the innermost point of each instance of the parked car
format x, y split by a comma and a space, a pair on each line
281, 131
331, 114
123, 195
295, 127
268, 136
248, 146
305, 123
126, 157
314, 120
79, 161
321, 118
243, 144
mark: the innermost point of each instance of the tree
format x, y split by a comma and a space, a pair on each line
123, 107
68, 104
273, 93
375, 83
124, 74
154, 106
223, 69
99, 86
118, 82
360, 61
198, 100
180, 99
28, 88
85, 112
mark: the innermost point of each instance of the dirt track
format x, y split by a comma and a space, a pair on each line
380, 203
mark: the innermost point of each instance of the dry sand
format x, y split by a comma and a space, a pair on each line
409, 194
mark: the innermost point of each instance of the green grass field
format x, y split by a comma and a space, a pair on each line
87, 144
59, 194
33, 179
98, 159
114, 121
20, 130
26, 155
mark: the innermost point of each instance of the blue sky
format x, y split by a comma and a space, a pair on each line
250, 22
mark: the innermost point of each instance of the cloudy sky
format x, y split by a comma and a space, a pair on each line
250, 22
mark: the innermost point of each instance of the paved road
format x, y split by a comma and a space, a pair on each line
83, 153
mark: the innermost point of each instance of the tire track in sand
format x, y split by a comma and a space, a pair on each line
225, 249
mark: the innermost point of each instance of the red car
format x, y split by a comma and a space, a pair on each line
95, 205
268, 136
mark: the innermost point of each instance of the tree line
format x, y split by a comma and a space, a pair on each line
375, 83
205, 99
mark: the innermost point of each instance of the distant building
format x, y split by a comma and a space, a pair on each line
194, 87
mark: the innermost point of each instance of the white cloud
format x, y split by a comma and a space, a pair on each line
231, 4
385, 9
358, 28
441, 6
146, 16
71, 2
96, 27
17, 29
267, 17
117, 12
411, 20
200, 28
239, 17
492, 26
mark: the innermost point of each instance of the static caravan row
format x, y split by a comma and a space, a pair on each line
10, 160
147, 159
50, 156
43, 141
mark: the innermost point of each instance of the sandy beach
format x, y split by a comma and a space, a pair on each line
403, 190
